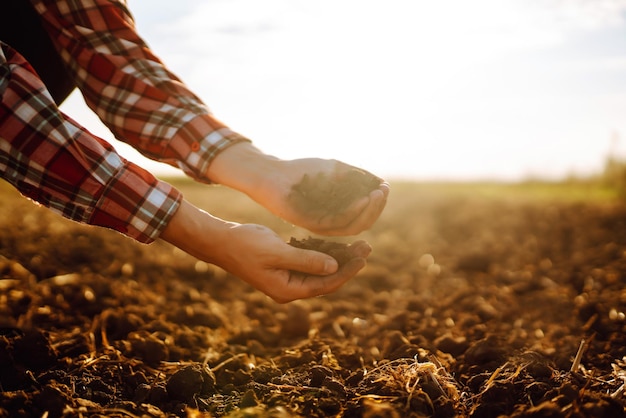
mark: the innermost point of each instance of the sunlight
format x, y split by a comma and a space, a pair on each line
407, 88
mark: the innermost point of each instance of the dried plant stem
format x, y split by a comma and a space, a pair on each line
436, 382
579, 356
228, 360
618, 392
494, 375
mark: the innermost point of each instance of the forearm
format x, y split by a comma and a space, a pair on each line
132, 91
196, 232
245, 168
57, 163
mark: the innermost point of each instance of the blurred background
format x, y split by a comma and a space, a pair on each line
456, 90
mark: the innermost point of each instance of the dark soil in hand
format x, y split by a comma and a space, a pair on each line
322, 194
339, 251
468, 306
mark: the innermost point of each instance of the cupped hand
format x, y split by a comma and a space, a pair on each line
273, 183
257, 255
321, 196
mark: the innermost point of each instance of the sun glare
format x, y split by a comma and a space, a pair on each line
448, 89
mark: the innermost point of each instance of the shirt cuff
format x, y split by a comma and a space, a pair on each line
196, 149
136, 204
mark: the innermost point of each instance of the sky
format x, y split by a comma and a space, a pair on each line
407, 89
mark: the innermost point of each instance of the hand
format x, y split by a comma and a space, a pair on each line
260, 257
270, 182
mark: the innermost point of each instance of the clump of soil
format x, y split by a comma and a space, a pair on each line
339, 251
330, 195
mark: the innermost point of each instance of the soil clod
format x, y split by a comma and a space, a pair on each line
323, 195
339, 251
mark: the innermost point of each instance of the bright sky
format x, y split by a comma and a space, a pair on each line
446, 89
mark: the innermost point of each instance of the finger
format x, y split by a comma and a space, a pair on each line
366, 218
317, 286
339, 220
360, 204
357, 218
307, 261
360, 249
378, 200
385, 188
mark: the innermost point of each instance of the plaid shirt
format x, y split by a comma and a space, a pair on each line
56, 162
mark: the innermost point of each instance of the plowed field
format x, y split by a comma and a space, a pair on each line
477, 301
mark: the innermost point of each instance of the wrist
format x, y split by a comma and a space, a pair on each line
242, 167
195, 231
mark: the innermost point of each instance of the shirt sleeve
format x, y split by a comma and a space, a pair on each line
130, 89
56, 162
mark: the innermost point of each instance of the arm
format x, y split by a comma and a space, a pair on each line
130, 89
167, 122
52, 160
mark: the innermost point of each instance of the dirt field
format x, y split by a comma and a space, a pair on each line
477, 301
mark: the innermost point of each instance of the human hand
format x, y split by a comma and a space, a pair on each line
312, 193
327, 197
257, 255
260, 257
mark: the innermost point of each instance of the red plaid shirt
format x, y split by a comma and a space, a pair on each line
56, 162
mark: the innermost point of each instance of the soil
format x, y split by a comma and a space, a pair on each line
469, 306
322, 194
338, 250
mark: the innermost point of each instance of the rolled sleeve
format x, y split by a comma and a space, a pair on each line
135, 95
136, 204
196, 152
56, 162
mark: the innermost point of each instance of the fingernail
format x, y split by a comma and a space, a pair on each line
330, 266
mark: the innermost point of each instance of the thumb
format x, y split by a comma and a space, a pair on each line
309, 262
